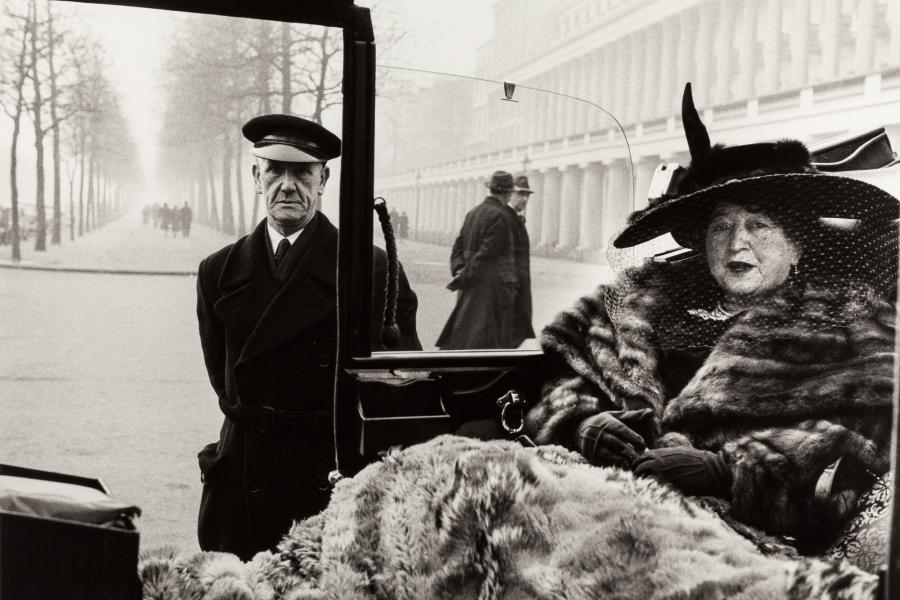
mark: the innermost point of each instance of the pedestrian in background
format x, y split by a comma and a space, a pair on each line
165, 218
484, 272
187, 216
404, 225
522, 308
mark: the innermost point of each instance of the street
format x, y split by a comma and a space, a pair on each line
102, 374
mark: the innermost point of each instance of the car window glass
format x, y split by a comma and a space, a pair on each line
101, 372
439, 140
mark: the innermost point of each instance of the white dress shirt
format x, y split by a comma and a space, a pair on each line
275, 237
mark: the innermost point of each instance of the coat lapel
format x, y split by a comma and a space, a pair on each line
308, 296
245, 284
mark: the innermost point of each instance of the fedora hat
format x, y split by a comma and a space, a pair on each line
501, 181
287, 138
521, 184
778, 174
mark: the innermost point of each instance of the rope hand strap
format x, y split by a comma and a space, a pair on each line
390, 333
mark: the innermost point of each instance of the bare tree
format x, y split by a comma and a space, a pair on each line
227, 212
55, 237
17, 67
239, 190
40, 241
243, 68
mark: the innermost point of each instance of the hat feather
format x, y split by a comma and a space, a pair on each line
694, 129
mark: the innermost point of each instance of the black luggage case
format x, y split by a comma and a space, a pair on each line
49, 558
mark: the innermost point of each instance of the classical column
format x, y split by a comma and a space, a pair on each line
602, 93
448, 211
638, 53
589, 75
569, 196
535, 206
864, 55
771, 48
747, 52
571, 87
437, 212
799, 32
618, 201
724, 53
668, 67
462, 204
434, 206
542, 100
590, 207
650, 88
703, 84
623, 62
438, 209
830, 40
893, 16
559, 103
476, 193
446, 208
550, 113
550, 209
687, 32
415, 215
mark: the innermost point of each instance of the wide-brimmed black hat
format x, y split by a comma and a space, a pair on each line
779, 175
521, 184
501, 181
287, 138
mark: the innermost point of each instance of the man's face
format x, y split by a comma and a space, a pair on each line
519, 201
293, 191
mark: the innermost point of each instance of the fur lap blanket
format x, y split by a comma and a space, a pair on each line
459, 518
786, 389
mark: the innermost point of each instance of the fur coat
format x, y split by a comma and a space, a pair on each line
785, 390
459, 518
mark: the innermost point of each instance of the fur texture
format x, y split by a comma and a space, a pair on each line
781, 394
458, 518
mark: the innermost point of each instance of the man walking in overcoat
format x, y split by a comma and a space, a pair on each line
522, 309
484, 272
268, 328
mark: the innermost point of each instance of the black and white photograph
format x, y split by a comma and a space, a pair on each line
488, 299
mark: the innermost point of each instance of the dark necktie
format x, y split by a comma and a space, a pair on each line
283, 246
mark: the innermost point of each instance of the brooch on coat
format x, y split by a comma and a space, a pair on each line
716, 314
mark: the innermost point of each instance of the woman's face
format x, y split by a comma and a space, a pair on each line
748, 253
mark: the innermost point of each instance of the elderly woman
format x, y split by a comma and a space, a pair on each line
744, 370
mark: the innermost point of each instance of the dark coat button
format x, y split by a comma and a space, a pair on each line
253, 487
323, 360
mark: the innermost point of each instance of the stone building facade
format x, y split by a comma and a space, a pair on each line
760, 69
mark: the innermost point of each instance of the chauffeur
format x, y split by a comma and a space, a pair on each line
266, 308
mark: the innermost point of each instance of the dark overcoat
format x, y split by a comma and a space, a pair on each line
269, 342
484, 271
522, 308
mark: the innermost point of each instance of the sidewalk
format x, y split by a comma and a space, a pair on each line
125, 245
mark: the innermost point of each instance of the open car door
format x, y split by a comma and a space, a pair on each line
438, 139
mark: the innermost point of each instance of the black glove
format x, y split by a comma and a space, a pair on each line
693, 472
607, 439
458, 281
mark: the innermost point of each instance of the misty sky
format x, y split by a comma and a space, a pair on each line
439, 35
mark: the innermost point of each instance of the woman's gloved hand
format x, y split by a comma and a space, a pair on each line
609, 438
691, 471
